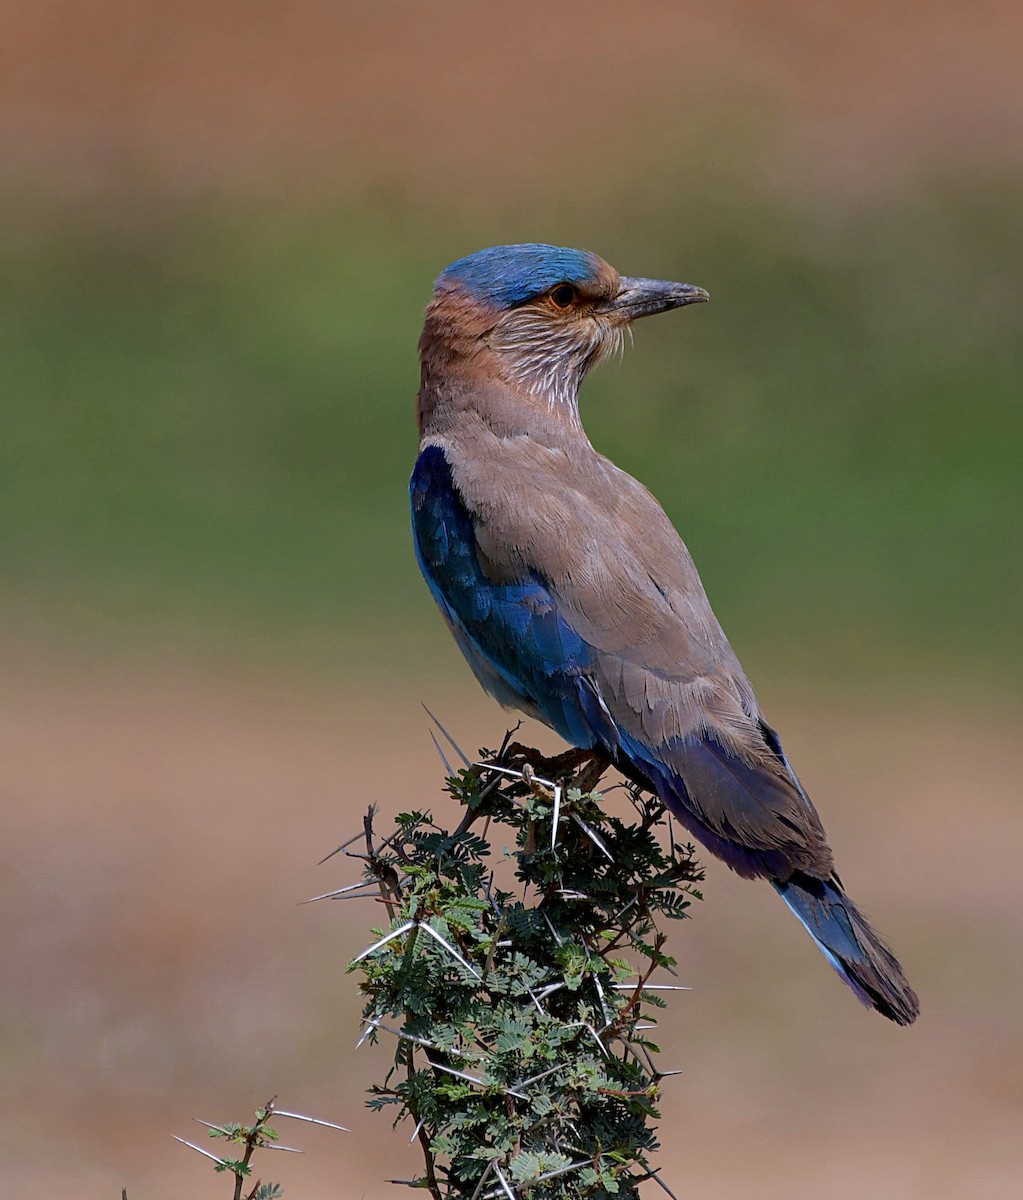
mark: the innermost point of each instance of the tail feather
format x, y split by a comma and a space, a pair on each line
847, 941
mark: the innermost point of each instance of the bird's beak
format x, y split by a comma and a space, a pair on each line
644, 297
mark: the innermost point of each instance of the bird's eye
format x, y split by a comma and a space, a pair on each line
563, 296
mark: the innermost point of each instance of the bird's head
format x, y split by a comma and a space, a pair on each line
541, 316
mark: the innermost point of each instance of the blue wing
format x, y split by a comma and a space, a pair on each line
520, 647
526, 654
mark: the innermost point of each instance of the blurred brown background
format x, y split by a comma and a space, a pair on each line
220, 224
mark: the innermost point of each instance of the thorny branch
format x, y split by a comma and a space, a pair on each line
521, 1026
250, 1138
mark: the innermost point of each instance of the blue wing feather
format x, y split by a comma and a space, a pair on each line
521, 648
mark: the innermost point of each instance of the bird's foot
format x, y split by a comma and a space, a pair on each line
576, 767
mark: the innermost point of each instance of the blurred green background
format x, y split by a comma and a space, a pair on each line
212, 412
219, 224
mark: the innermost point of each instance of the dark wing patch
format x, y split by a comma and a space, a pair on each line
516, 640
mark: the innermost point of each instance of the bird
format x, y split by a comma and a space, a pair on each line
574, 599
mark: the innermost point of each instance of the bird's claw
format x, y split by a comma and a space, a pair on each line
575, 768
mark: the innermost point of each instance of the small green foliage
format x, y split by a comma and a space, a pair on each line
257, 1136
251, 1138
521, 1057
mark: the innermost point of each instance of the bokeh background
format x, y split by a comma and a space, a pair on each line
220, 223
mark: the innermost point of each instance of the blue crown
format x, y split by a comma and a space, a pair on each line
505, 276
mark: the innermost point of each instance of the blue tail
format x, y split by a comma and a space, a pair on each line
847, 941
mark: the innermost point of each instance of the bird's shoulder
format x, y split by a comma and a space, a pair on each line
555, 498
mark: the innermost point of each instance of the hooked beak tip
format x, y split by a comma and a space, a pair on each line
645, 297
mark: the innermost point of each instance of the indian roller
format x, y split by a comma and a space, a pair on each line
574, 599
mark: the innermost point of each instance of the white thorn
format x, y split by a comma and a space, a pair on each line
426, 927
504, 1182
547, 783
384, 940
352, 887
592, 835
279, 1112
651, 987
199, 1150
